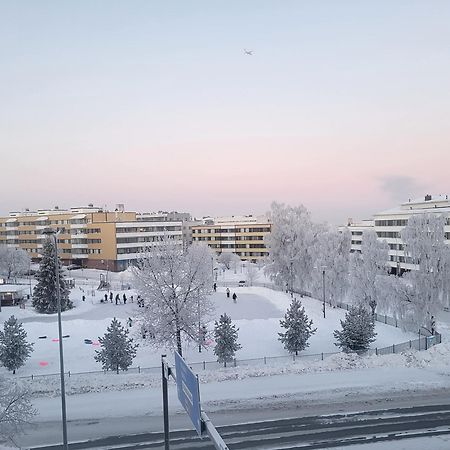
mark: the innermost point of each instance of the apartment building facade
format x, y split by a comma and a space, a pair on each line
90, 236
242, 235
389, 224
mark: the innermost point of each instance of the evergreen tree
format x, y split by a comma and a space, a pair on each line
298, 328
117, 349
225, 335
14, 348
44, 294
358, 330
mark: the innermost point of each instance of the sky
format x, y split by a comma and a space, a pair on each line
343, 107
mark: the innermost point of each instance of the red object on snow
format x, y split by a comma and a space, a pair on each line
43, 363
55, 340
95, 343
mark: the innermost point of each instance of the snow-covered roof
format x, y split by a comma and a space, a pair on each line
41, 219
12, 220
79, 216
12, 288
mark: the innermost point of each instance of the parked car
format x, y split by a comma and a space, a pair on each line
73, 267
241, 283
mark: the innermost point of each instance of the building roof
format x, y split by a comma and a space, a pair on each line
12, 288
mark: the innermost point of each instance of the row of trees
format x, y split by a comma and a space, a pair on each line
357, 333
301, 249
118, 349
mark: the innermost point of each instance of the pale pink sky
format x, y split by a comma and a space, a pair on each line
344, 108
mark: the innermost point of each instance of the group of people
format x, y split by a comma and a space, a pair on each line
234, 296
121, 299
118, 299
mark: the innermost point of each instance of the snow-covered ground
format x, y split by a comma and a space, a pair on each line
278, 385
257, 314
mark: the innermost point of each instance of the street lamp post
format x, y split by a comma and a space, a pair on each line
292, 278
199, 327
323, 289
29, 276
50, 232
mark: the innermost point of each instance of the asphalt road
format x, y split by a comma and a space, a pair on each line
314, 432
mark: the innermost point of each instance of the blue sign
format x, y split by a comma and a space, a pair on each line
188, 392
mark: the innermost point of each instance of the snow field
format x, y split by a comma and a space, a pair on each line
256, 314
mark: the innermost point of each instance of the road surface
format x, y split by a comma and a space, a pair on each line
313, 432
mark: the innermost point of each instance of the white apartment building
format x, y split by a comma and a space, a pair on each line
389, 224
357, 230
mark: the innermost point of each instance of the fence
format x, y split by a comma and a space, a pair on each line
422, 343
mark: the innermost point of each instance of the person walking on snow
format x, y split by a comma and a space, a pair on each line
106, 298
111, 296
117, 299
234, 297
215, 287
124, 299
228, 293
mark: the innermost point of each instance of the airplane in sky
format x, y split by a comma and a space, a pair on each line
248, 52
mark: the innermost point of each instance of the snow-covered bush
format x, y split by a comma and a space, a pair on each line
14, 348
226, 336
358, 330
117, 349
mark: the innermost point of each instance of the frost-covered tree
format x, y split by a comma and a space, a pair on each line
117, 349
290, 245
15, 408
332, 254
298, 328
176, 288
14, 261
45, 291
226, 336
366, 268
423, 290
14, 348
229, 260
252, 273
358, 330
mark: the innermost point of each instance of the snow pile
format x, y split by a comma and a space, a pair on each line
437, 357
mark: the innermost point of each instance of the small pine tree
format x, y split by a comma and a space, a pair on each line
117, 349
298, 328
358, 330
44, 293
14, 348
225, 335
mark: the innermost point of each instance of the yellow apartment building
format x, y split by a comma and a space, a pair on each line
90, 236
242, 235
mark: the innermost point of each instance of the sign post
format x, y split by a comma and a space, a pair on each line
165, 376
189, 396
189, 392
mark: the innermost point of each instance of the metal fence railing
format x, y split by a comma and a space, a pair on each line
422, 343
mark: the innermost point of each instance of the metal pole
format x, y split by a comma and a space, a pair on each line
323, 286
292, 280
165, 404
199, 327
61, 354
29, 276
215, 437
